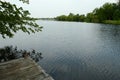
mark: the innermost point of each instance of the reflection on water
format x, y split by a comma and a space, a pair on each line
75, 51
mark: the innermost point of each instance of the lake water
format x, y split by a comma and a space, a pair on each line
74, 50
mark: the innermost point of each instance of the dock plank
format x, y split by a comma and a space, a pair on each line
22, 69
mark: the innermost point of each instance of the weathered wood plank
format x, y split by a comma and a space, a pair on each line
22, 69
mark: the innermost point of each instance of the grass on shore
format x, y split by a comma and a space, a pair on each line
115, 22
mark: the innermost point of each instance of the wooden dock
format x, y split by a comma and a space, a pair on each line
22, 69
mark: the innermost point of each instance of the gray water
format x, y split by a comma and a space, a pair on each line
74, 50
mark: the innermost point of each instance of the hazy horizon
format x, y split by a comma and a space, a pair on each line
53, 8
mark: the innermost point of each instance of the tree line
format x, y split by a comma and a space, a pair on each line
107, 12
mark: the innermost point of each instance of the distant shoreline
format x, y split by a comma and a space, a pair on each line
108, 13
47, 19
113, 22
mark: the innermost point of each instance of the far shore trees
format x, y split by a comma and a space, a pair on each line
108, 13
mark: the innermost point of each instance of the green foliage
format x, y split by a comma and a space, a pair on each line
109, 11
104, 14
9, 53
115, 22
71, 17
116, 15
13, 19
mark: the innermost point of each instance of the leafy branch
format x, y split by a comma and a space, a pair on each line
13, 19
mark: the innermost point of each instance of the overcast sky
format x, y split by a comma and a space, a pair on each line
53, 8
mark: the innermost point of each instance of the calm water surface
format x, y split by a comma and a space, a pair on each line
74, 51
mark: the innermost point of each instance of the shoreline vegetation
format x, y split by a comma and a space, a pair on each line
109, 13
9, 53
114, 22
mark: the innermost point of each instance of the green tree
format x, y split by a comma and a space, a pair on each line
89, 17
116, 15
61, 18
77, 17
82, 18
105, 12
108, 11
70, 17
13, 19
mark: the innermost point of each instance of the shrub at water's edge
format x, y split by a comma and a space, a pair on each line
9, 53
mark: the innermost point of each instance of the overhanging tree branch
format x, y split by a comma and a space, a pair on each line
13, 19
